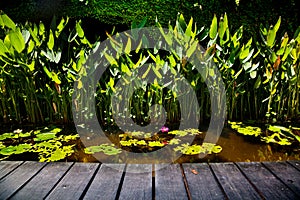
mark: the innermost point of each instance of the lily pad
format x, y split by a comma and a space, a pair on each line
155, 144
179, 133
105, 148
21, 148
250, 130
207, 148
44, 136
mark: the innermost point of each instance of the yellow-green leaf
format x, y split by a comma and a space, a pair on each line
213, 28
50, 42
17, 40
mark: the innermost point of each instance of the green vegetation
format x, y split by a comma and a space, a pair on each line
45, 142
40, 68
273, 134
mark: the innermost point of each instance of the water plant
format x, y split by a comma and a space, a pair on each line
273, 134
45, 142
205, 148
105, 148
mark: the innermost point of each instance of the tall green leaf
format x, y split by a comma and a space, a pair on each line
17, 40
213, 28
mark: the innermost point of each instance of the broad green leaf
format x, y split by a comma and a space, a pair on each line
61, 26
125, 69
110, 59
213, 28
253, 74
8, 22
41, 29
271, 37
244, 53
17, 40
50, 42
192, 49
128, 46
277, 25
172, 60
223, 26
188, 31
156, 72
182, 22
3, 48
79, 30
31, 65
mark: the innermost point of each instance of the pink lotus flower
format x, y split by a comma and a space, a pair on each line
164, 129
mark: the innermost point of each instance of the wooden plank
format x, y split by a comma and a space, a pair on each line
269, 186
74, 182
8, 166
106, 182
295, 163
286, 173
16, 179
137, 185
169, 183
43, 182
201, 182
233, 182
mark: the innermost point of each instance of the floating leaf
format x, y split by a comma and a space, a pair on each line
105, 148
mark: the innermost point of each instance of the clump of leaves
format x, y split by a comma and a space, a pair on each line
274, 134
19, 149
105, 148
206, 148
48, 145
245, 130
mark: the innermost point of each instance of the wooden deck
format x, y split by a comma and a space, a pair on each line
34, 180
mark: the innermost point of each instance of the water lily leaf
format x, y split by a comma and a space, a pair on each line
105, 148
6, 136
207, 148
178, 132
19, 149
174, 141
141, 142
155, 144
44, 136
250, 130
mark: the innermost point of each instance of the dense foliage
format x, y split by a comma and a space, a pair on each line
249, 13
40, 67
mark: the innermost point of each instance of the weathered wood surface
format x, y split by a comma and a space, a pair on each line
254, 180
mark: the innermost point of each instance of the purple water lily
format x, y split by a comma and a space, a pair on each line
164, 129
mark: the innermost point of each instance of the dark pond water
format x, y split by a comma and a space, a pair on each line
62, 144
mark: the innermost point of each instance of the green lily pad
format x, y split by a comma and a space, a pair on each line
178, 133
105, 148
155, 144
44, 136
6, 136
207, 148
21, 148
174, 141
250, 130
57, 154
129, 142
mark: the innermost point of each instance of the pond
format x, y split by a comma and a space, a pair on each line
238, 142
